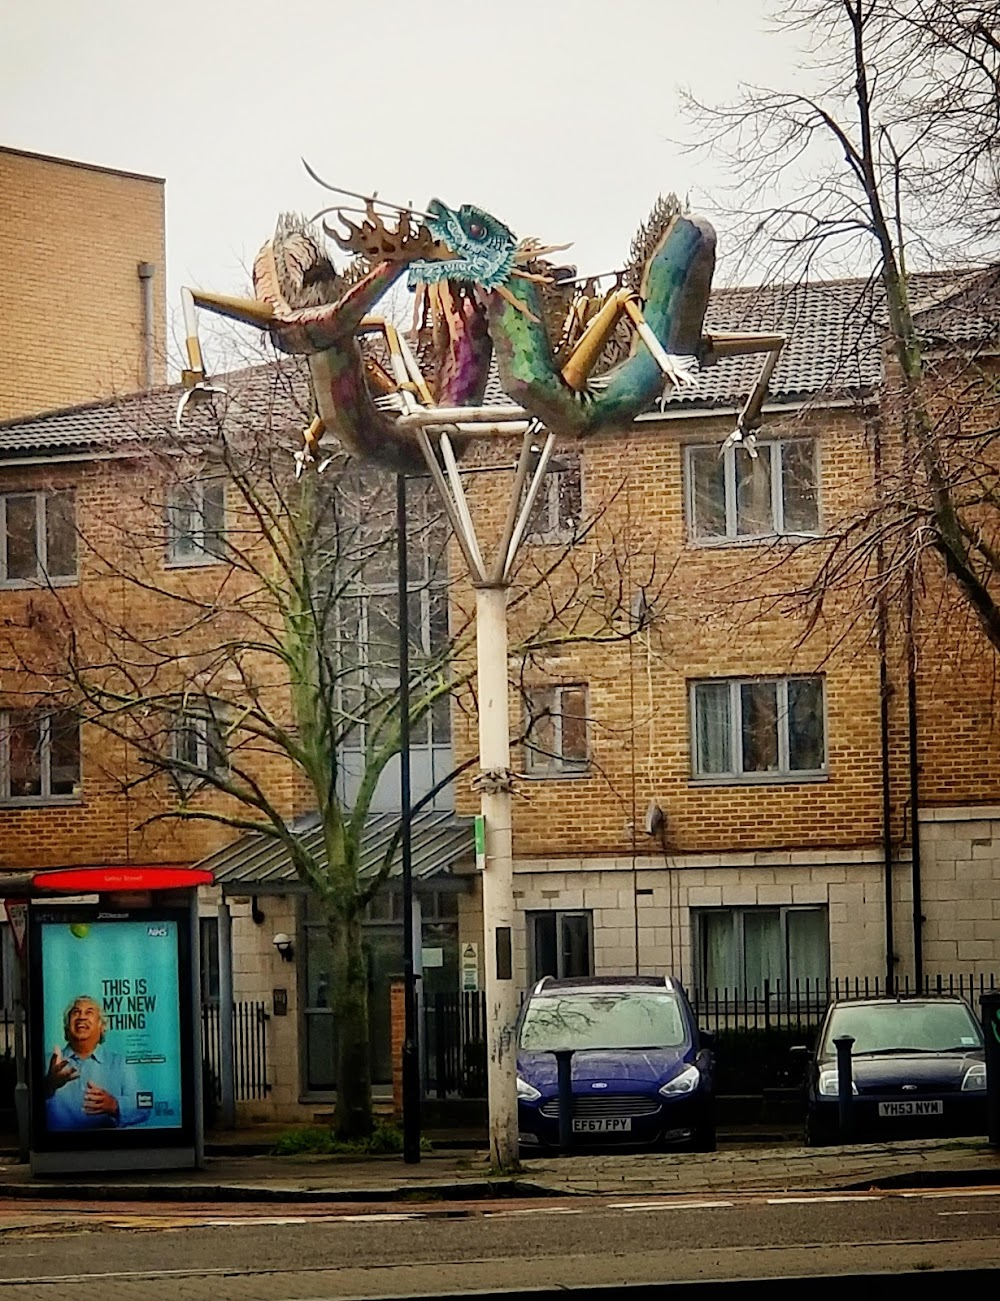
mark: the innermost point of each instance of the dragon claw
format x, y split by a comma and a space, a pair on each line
196, 395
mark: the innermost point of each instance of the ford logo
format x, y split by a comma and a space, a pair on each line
602, 1085
909, 1088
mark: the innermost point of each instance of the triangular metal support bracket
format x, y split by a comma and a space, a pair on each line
531, 466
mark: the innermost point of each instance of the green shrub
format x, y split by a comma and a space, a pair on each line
386, 1139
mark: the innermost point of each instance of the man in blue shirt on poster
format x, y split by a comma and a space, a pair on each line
86, 1085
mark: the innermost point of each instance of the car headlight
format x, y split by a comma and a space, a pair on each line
527, 1092
975, 1078
686, 1082
829, 1084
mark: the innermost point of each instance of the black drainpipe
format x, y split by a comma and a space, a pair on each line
884, 694
918, 918
883, 677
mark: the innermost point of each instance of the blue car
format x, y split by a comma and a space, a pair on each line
641, 1070
917, 1065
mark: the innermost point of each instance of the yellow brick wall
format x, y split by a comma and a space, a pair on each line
118, 817
722, 611
71, 237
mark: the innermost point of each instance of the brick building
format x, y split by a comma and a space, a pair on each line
82, 282
714, 791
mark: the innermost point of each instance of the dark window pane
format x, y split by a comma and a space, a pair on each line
708, 492
754, 515
441, 721
800, 494
64, 754
24, 745
807, 945
759, 710
183, 520
541, 749
60, 535
574, 726
544, 951
575, 945
762, 955
712, 729
22, 540
805, 725
719, 951
213, 521
215, 746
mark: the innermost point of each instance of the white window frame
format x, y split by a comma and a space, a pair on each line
737, 914
539, 763
44, 764
199, 723
547, 525
783, 773
560, 914
206, 546
42, 576
728, 456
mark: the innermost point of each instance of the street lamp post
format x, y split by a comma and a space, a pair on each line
411, 1051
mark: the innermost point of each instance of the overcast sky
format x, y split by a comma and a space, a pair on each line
555, 115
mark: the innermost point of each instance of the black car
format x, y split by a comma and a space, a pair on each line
917, 1065
641, 1069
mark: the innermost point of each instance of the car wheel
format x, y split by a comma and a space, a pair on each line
704, 1137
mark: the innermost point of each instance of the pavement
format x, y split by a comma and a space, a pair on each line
236, 1169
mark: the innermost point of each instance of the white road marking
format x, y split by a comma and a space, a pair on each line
953, 1192
665, 1206
809, 1201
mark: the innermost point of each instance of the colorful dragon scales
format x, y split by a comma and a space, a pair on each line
481, 294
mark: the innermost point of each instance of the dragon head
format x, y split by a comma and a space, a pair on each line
483, 248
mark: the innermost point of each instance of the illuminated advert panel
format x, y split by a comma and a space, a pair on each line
111, 1028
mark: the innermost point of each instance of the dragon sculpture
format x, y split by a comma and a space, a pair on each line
480, 293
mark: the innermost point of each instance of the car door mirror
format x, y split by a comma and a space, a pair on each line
799, 1051
707, 1038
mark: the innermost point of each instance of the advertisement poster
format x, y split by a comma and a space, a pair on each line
111, 1026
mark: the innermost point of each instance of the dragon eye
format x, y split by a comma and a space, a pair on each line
477, 230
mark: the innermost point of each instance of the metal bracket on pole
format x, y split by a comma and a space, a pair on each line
471, 552
517, 520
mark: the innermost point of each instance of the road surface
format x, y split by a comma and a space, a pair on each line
249, 1251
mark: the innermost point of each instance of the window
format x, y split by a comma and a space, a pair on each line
733, 495
197, 739
39, 756
758, 729
559, 944
738, 949
559, 504
364, 562
196, 522
556, 730
37, 538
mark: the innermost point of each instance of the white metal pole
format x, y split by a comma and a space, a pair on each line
498, 876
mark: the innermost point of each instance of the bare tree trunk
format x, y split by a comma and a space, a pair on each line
349, 998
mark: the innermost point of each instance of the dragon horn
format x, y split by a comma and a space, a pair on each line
365, 198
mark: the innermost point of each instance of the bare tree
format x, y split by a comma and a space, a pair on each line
236, 630
894, 140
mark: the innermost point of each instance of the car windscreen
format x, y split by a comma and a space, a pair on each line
600, 1019
894, 1027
